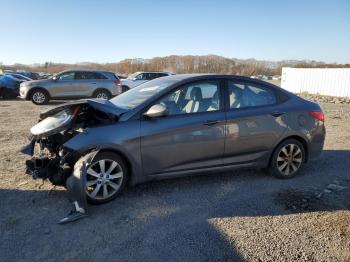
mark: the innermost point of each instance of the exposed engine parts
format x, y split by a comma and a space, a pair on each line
54, 162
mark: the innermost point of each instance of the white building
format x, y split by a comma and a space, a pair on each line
323, 81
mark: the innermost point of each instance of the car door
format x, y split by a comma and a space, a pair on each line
85, 83
191, 136
62, 85
255, 121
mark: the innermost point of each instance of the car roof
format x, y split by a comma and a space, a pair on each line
86, 70
181, 77
161, 72
185, 78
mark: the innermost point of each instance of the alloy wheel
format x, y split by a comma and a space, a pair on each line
104, 179
102, 96
39, 97
289, 159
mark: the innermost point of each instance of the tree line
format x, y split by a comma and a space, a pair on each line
181, 64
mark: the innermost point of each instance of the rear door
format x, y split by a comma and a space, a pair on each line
255, 121
87, 82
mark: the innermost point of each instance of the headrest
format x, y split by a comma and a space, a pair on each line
236, 90
196, 93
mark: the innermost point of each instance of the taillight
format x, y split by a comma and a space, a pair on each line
117, 82
317, 115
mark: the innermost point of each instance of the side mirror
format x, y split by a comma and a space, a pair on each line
134, 79
156, 111
54, 78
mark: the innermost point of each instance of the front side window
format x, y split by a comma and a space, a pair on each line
243, 95
193, 98
140, 77
66, 76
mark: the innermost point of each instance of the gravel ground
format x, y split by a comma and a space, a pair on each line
230, 216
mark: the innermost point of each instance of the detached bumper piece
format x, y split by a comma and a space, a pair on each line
28, 149
76, 184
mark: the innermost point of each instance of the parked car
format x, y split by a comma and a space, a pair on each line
174, 126
9, 86
140, 77
121, 76
45, 76
31, 75
19, 76
72, 84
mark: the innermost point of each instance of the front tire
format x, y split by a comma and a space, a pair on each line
106, 177
287, 159
39, 97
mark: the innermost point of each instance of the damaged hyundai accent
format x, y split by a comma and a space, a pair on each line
174, 126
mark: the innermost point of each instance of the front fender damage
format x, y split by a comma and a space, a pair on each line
60, 165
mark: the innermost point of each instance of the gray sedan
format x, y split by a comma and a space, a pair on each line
174, 126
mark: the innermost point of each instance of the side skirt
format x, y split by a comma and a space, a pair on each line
203, 171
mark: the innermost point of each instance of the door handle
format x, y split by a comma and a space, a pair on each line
277, 113
211, 122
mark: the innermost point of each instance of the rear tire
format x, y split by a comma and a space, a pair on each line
106, 176
102, 94
39, 96
287, 159
125, 88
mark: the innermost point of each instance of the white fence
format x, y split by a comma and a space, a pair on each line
323, 81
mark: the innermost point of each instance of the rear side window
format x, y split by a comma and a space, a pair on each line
161, 74
108, 75
152, 76
243, 95
89, 76
99, 76
149, 76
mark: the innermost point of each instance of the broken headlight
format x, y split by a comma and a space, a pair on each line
52, 124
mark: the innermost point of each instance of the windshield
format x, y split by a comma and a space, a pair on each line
136, 96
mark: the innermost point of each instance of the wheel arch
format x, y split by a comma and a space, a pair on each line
101, 89
125, 88
37, 88
300, 139
122, 154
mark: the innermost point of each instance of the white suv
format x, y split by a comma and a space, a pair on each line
138, 78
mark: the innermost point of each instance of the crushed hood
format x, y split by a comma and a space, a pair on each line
99, 104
